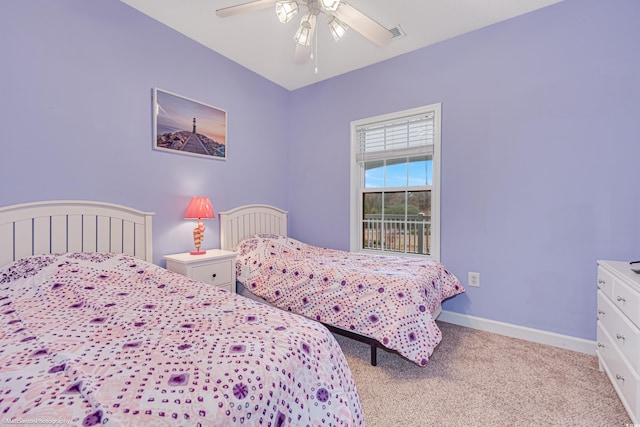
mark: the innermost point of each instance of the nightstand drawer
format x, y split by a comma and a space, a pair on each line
217, 267
215, 274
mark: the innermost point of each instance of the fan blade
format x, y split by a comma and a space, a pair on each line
363, 24
251, 6
303, 54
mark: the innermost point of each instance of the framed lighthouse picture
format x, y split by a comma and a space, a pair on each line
185, 126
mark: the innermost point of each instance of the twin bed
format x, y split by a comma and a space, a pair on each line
384, 301
91, 333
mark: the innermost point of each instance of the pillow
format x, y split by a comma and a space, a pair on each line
268, 245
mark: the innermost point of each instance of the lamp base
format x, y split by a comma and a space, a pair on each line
197, 252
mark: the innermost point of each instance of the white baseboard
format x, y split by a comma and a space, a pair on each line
534, 335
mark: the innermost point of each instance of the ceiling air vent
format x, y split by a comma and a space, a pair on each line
397, 32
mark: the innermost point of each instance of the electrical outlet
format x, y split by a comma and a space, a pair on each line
474, 279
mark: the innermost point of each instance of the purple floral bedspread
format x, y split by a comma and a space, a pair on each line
105, 339
388, 298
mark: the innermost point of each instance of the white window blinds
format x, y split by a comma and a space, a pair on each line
400, 137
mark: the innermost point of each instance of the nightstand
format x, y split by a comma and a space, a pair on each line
216, 267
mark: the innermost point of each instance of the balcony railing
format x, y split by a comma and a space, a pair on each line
397, 233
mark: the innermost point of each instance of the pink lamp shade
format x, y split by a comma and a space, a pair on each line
199, 208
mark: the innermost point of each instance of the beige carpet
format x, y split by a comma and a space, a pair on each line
476, 378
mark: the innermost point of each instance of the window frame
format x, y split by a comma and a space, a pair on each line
357, 171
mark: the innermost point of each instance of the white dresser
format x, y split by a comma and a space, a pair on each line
618, 330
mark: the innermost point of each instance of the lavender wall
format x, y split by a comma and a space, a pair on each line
541, 156
75, 113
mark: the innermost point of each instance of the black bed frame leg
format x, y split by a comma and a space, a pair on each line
374, 355
360, 338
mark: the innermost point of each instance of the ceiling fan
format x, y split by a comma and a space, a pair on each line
340, 16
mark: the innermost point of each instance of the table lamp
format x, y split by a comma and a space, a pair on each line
199, 208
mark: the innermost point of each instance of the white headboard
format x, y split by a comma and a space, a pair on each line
245, 221
73, 226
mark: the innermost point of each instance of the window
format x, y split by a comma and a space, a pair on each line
395, 190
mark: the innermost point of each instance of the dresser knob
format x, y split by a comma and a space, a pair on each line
213, 276
601, 313
620, 337
600, 345
621, 299
619, 377
601, 282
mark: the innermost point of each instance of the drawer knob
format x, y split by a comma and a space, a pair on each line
619, 377
213, 276
601, 313
620, 337
601, 282
600, 345
621, 299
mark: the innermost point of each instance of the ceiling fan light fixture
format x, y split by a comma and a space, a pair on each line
305, 31
330, 5
337, 28
286, 10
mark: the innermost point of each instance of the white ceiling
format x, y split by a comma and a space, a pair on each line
259, 42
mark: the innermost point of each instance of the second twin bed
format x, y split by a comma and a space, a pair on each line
387, 301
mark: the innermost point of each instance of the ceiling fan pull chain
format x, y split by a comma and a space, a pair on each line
316, 53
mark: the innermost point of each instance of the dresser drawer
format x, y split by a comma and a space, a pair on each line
219, 273
605, 282
624, 334
624, 379
627, 300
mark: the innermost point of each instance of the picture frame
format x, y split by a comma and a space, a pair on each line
185, 126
